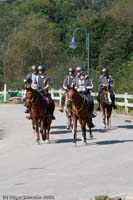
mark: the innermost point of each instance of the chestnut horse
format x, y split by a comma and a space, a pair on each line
41, 121
80, 111
106, 105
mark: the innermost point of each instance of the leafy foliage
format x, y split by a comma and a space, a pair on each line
35, 32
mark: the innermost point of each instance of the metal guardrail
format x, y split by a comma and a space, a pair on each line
57, 94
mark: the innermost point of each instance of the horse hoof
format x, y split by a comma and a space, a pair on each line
91, 136
85, 143
38, 141
47, 141
67, 127
74, 144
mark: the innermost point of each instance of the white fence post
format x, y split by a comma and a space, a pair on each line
60, 95
126, 102
4, 92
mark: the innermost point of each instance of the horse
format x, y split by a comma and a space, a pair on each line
81, 113
106, 105
67, 109
39, 111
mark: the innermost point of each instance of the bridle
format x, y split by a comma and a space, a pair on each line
77, 110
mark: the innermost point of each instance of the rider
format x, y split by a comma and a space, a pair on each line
30, 81
83, 85
43, 83
67, 83
106, 80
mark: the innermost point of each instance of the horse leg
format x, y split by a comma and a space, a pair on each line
104, 118
35, 125
83, 128
90, 125
37, 133
108, 122
84, 135
41, 129
74, 130
68, 122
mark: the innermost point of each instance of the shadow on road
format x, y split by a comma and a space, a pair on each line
110, 142
58, 127
66, 141
100, 130
126, 126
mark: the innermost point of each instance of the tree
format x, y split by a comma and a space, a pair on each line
33, 43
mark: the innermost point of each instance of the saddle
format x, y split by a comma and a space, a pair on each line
48, 100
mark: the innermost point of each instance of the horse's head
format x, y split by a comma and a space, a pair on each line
71, 94
29, 96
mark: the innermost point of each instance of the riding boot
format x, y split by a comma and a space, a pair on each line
113, 105
98, 100
26, 110
91, 108
113, 102
51, 116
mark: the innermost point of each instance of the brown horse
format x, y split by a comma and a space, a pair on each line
106, 107
39, 111
80, 111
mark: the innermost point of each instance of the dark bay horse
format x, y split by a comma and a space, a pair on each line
39, 111
80, 111
106, 105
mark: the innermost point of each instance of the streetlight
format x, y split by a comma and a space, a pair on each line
73, 44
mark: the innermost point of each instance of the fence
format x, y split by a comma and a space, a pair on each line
57, 94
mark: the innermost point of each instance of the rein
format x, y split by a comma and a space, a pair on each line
77, 110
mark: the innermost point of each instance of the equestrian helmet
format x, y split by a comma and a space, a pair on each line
34, 68
72, 70
79, 68
28, 79
105, 70
41, 67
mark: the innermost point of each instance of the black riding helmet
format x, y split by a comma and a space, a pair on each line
105, 71
34, 68
41, 67
72, 70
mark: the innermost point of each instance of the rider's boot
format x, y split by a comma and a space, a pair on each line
98, 108
93, 114
51, 116
26, 110
113, 103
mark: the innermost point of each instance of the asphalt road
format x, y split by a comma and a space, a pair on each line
59, 170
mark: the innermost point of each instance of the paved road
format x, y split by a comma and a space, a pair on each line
104, 166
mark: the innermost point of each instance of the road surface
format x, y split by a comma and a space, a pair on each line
58, 170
